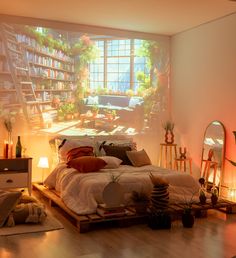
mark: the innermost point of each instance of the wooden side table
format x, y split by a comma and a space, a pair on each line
168, 153
181, 164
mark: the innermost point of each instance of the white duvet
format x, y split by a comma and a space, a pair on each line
81, 192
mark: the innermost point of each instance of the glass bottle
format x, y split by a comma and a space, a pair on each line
18, 148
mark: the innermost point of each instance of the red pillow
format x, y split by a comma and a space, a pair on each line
79, 152
86, 164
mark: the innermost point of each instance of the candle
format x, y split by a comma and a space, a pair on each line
6, 154
4, 149
11, 149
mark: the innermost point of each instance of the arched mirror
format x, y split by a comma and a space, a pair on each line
213, 154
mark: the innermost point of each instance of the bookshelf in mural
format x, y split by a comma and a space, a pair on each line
46, 81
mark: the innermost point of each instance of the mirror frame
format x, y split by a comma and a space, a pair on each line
222, 154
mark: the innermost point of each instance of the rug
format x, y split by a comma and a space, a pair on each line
49, 224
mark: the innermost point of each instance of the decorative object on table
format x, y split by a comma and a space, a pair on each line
182, 153
202, 181
140, 201
214, 195
158, 217
169, 135
18, 148
113, 194
160, 193
8, 144
202, 196
43, 164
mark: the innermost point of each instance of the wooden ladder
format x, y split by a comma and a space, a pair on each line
20, 73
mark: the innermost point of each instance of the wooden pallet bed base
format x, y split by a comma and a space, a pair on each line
86, 222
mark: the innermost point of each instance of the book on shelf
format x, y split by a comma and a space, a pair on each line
104, 207
113, 213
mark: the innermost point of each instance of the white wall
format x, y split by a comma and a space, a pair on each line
203, 86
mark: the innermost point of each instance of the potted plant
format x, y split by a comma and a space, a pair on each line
95, 110
187, 216
140, 201
60, 115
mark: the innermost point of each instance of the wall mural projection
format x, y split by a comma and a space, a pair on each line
71, 83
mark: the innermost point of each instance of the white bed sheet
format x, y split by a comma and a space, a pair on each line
81, 192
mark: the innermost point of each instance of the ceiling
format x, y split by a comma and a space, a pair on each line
166, 17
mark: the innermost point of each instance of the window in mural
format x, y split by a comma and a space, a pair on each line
71, 83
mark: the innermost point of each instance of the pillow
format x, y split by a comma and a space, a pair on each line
27, 213
87, 164
92, 100
138, 158
8, 201
118, 152
79, 152
126, 142
71, 144
112, 162
50, 181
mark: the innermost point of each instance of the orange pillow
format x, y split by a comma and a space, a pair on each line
87, 164
79, 152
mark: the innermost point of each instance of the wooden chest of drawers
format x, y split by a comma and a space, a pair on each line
16, 173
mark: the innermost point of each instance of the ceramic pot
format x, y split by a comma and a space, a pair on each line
214, 199
202, 199
187, 220
169, 137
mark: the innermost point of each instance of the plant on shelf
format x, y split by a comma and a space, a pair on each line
95, 110
169, 135
68, 109
84, 52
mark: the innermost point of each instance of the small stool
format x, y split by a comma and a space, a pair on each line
168, 154
181, 164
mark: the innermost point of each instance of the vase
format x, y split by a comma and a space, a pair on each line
10, 145
187, 220
169, 137
202, 199
214, 199
113, 194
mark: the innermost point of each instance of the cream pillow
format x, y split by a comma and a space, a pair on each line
8, 201
112, 162
138, 158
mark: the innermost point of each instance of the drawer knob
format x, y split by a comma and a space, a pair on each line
9, 181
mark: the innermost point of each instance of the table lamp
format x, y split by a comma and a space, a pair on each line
43, 163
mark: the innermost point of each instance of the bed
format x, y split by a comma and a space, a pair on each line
83, 192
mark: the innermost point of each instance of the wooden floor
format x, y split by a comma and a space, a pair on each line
211, 237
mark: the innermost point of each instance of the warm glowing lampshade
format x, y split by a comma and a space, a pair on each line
43, 162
